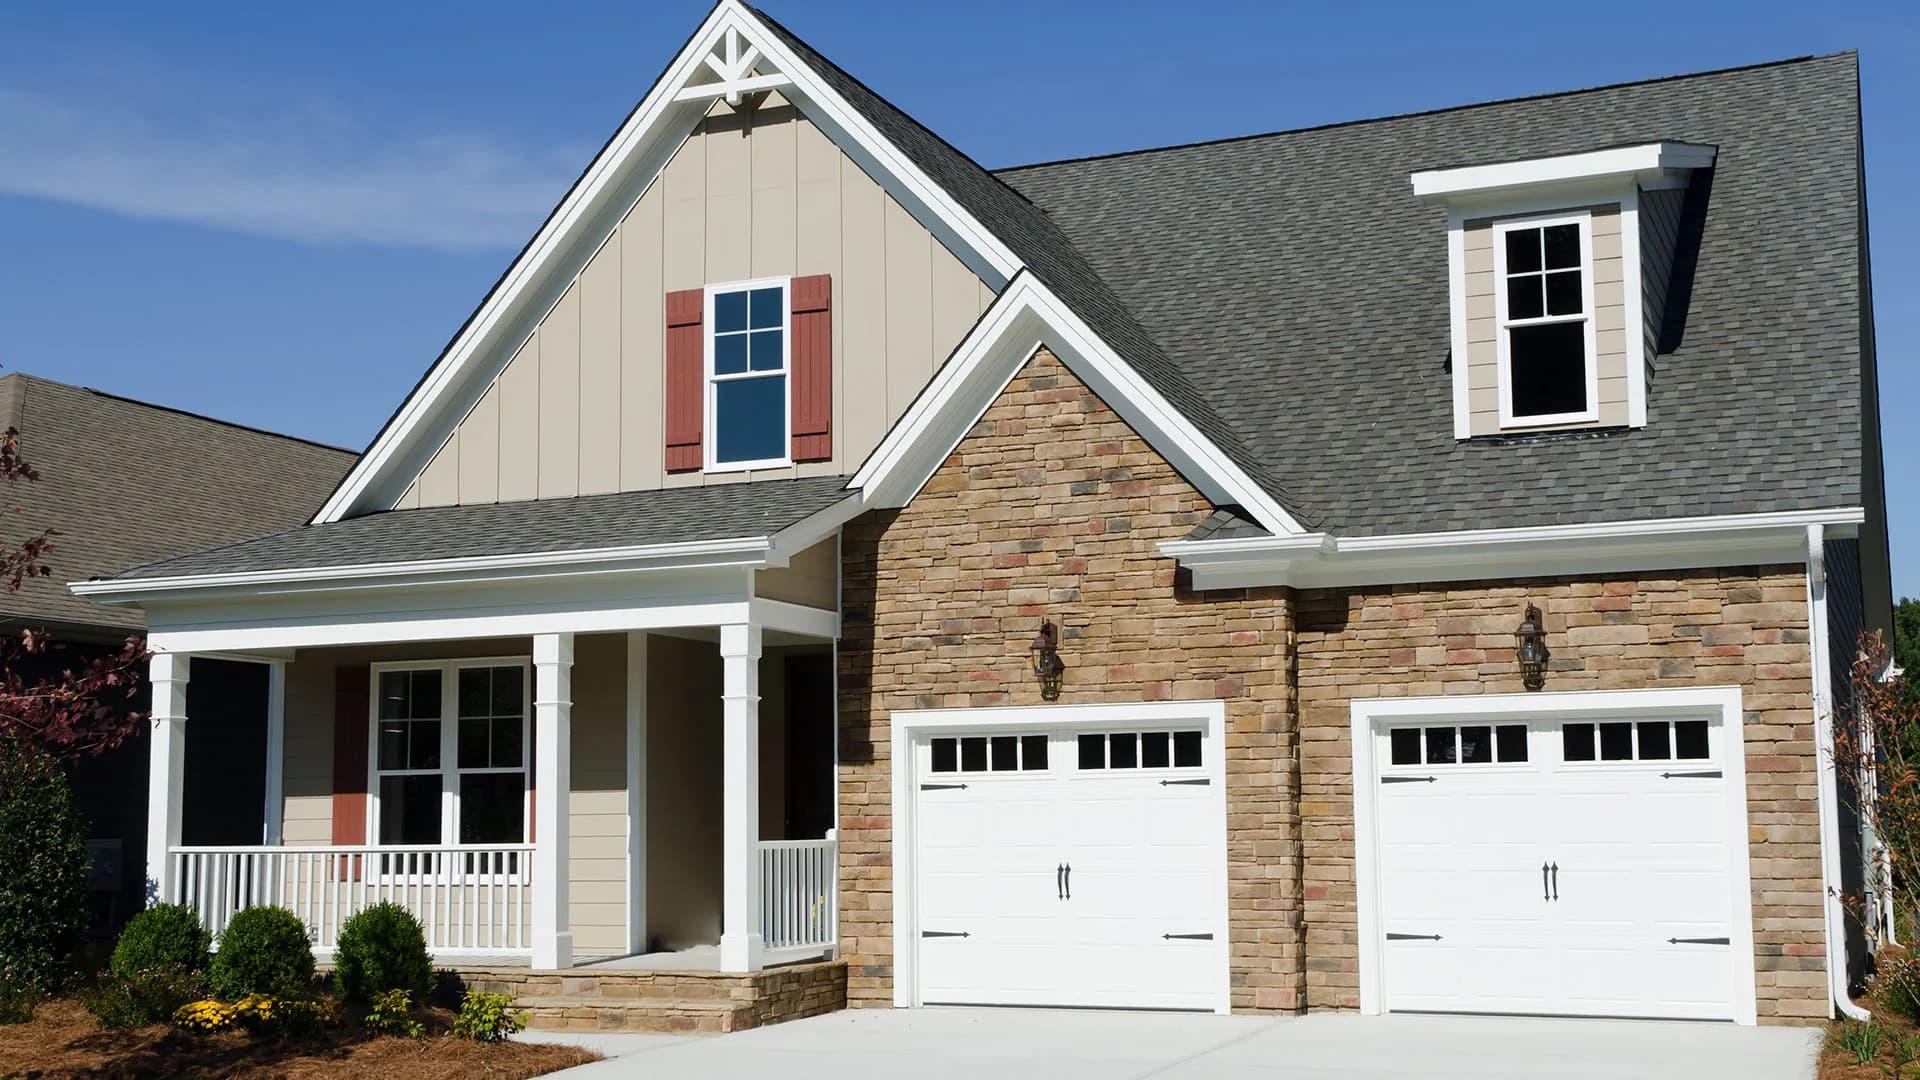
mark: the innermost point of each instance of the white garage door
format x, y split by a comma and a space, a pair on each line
1573, 867
1070, 867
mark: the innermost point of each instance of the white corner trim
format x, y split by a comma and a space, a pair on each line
1602, 547
1024, 318
1827, 796
1722, 701
907, 725
662, 117
1459, 352
744, 551
1648, 161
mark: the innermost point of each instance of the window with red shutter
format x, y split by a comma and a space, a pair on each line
812, 302
686, 379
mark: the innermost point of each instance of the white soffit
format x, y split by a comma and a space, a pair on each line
732, 53
1648, 164
1322, 560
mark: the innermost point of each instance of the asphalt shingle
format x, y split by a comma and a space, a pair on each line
624, 519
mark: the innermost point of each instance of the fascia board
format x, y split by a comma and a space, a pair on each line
1645, 161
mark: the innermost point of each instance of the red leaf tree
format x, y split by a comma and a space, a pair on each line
1877, 748
66, 700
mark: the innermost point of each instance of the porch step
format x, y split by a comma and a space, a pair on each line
601, 1013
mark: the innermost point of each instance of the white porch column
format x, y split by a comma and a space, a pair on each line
740, 941
553, 758
636, 791
166, 768
276, 752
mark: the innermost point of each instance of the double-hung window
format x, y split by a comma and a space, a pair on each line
1543, 281
450, 753
747, 375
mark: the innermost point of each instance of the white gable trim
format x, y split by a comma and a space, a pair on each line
1025, 317
594, 206
1648, 162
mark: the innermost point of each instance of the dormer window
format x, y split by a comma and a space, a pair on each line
1555, 319
1544, 306
747, 400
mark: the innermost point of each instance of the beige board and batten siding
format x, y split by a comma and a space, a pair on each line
811, 577
757, 192
1483, 328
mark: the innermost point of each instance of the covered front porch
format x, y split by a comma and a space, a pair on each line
636, 782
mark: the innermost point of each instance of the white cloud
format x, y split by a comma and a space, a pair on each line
314, 176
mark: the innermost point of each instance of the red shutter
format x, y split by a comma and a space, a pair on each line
812, 351
351, 708
686, 372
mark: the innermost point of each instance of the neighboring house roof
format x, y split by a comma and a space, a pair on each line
126, 482
1302, 288
583, 523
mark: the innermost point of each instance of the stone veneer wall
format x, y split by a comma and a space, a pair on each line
1745, 628
1052, 507
597, 999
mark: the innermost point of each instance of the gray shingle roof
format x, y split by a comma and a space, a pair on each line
1301, 288
127, 482
628, 518
1038, 242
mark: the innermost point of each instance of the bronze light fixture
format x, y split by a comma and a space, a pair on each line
1530, 646
1047, 665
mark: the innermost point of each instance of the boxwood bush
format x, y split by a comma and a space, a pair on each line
380, 950
43, 872
163, 936
264, 950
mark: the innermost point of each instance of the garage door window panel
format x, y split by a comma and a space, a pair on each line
1138, 750
1625, 741
987, 753
1458, 745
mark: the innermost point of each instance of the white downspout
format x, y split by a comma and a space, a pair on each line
1829, 788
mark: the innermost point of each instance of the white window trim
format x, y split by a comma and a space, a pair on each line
1502, 324
708, 378
1721, 704
909, 728
449, 769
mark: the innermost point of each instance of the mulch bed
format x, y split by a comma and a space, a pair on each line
63, 1040
1838, 1064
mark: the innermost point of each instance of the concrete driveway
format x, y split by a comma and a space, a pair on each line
1070, 1045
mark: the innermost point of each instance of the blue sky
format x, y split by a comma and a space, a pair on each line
277, 214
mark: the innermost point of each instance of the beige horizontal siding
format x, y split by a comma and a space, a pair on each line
1609, 314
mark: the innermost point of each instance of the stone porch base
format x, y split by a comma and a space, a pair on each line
672, 1001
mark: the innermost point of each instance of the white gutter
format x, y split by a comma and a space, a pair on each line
1319, 559
1829, 786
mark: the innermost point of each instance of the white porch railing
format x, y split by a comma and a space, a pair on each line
798, 893
466, 898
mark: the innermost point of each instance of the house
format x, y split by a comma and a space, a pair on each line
125, 482
824, 570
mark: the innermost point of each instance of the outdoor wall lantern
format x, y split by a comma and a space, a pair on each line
1530, 642
1047, 664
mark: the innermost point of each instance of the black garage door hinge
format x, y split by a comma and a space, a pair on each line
1406, 779
1699, 941
944, 933
942, 787
1203, 781
1413, 937
1187, 937
1704, 774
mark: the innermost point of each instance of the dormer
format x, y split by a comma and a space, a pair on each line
1558, 270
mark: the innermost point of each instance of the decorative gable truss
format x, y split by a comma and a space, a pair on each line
733, 56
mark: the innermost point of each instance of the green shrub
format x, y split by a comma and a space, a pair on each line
380, 949
166, 936
1896, 985
17, 1000
392, 1014
485, 1017
143, 996
264, 950
1860, 1039
43, 886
